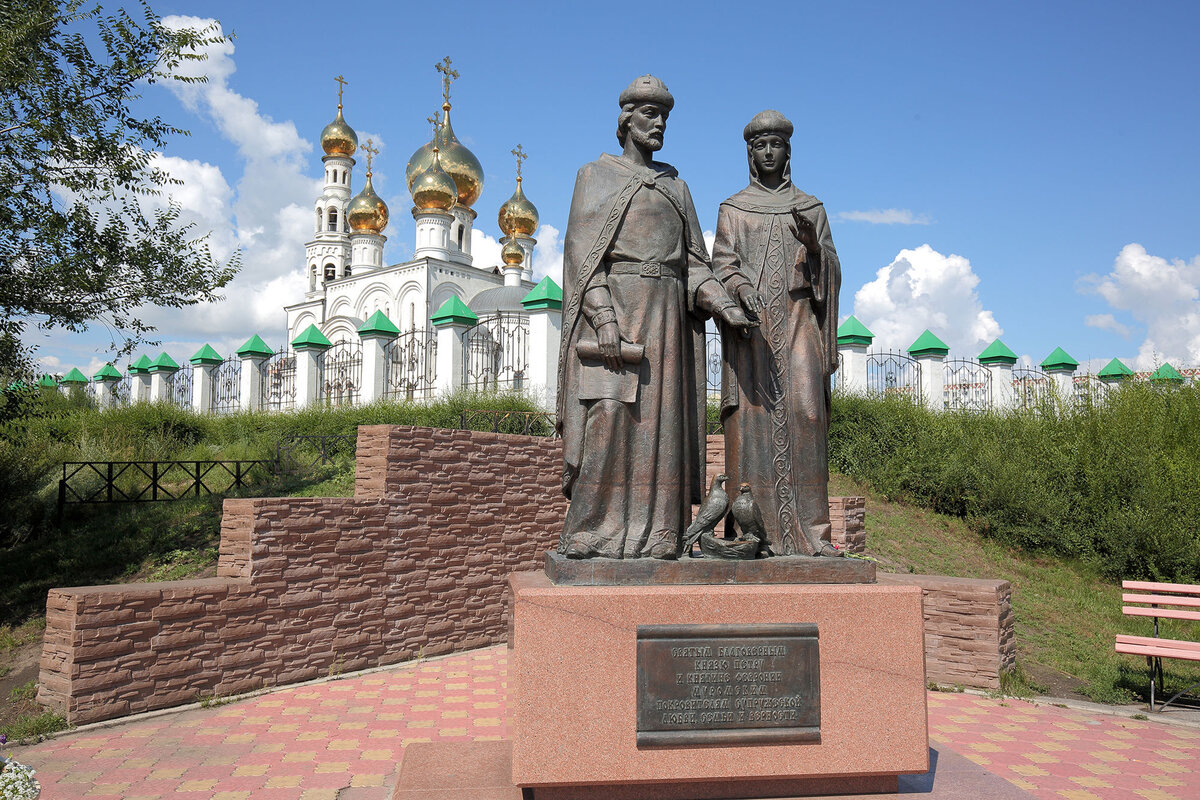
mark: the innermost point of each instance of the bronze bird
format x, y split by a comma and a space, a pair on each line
710, 513
749, 519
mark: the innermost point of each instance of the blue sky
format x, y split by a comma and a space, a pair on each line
1026, 170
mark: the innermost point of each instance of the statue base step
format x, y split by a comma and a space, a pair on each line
482, 770
564, 571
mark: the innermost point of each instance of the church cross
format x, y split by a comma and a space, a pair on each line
448, 76
371, 150
521, 155
342, 83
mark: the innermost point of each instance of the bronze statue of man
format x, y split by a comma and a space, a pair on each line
631, 406
774, 252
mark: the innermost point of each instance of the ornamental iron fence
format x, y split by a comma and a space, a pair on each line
279, 381
340, 368
179, 387
712, 365
968, 386
894, 374
1030, 387
410, 366
496, 353
122, 391
227, 386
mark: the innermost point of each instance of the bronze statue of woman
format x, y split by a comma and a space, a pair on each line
775, 254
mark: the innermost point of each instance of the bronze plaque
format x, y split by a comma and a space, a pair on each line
727, 684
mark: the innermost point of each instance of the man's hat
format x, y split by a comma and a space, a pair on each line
770, 121
647, 89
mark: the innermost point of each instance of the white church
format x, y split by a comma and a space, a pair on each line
348, 280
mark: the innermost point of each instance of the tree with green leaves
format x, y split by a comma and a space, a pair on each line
88, 233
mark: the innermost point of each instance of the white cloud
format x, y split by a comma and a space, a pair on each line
885, 216
1162, 295
923, 289
548, 255
267, 213
485, 250
1107, 322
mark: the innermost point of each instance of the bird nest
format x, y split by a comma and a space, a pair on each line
728, 549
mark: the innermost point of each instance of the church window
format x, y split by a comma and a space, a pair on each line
461, 230
318, 219
347, 272
333, 219
330, 272
312, 277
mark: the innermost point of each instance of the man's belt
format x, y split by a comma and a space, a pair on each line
647, 269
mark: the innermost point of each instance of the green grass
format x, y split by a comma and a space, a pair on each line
1066, 612
33, 727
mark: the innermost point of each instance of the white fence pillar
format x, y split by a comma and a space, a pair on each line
202, 387
139, 386
852, 368
252, 354
1061, 368
204, 364
545, 336
451, 321
1002, 388
999, 360
308, 375
376, 333
930, 351
853, 341
543, 304
158, 383
309, 346
103, 388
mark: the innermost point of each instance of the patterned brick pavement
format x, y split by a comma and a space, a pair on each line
342, 740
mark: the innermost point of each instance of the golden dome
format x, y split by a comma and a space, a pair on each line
433, 189
518, 216
338, 138
512, 254
367, 212
459, 162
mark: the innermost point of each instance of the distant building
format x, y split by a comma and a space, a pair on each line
348, 280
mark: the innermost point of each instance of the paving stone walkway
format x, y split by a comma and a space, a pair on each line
342, 740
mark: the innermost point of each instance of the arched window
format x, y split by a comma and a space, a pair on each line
318, 219
346, 274
333, 219
461, 230
330, 272
312, 277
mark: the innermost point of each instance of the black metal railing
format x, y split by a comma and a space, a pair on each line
149, 481
297, 453
523, 423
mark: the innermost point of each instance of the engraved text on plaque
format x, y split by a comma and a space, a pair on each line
727, 684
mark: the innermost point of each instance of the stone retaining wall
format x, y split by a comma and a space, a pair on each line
415, 563
969, 637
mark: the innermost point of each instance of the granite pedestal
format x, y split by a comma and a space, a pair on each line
574, 697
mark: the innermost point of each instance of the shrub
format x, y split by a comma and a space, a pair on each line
1113, 482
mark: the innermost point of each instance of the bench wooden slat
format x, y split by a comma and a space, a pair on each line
1151, 586
1151, 641
1163, 652
1161, 613
1161, 599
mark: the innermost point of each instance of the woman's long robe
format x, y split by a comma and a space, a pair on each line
776, 381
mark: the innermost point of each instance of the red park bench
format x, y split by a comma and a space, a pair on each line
1161, 601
